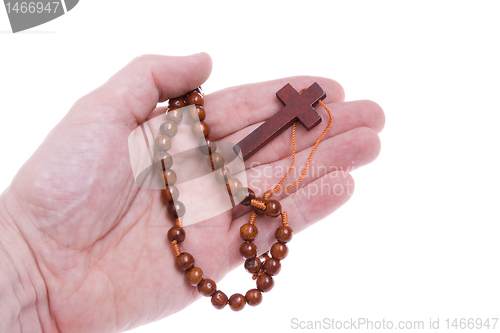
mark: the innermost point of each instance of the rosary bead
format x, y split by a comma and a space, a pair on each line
176, 209
197, 114
219, 300
168, 128
248, 232
222, 174
175, 116
167, 160
194, 276
283, 234
279, 251
217, 160
253, 297
194, 97
170, 194
253, 265
248, 250
272, 266
257, 209
273, 208
207, 287
245, 196
185, 261
235, 185
265, 283
176, 102
176, 233
237, 302
200, 129
169, 177
163, 143
207, 146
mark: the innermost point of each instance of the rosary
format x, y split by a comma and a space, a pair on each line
299, 106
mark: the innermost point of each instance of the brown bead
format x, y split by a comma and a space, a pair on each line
176, 102
176, 209
197, 113
248, 232
207, 287
194, 98
222, 174
185, 261
257, 209
253, 265
272, 266
200, 129
234, 185
168, 128
283, 234
163, 143
248, 250
167, 160
170, 194
176, 233
265, 283
245, 196
215, 161
194, 276
175, 116
207, 146
169, 177
279, 251
219, 300
273, 208
237, 302
253, 297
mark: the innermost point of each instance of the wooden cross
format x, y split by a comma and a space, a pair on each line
297, 107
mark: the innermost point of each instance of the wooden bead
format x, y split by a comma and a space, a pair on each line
163, 143
272, 266
279, 251
257, 209
283, 234
175, 116
207, 146
176, 209
248, 232
194, 276
168, 128
167, 160
200, 129
169, 177
265, 283
215, 161
234, 185
248, 250
237, 302
253, 297
273, 208
207, 287
197, 113
253, 265
170, 194
245, 196
176, 233
185, 261
194, 97
222, 174
219, 300
176, 102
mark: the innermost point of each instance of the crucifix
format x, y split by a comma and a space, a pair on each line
298, 107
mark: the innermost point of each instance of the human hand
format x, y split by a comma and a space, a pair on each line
87, 237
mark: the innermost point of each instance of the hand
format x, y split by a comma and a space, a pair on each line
99, 261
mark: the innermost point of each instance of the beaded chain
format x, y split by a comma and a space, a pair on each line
262, 267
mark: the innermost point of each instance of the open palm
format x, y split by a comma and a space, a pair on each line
100, 241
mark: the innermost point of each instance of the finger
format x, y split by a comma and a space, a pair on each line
133, 93
312, 203
232, 109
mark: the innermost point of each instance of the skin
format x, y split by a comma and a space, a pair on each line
80, 246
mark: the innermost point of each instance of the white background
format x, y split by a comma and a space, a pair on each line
420, 237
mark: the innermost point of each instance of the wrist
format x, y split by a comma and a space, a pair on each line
24, 305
